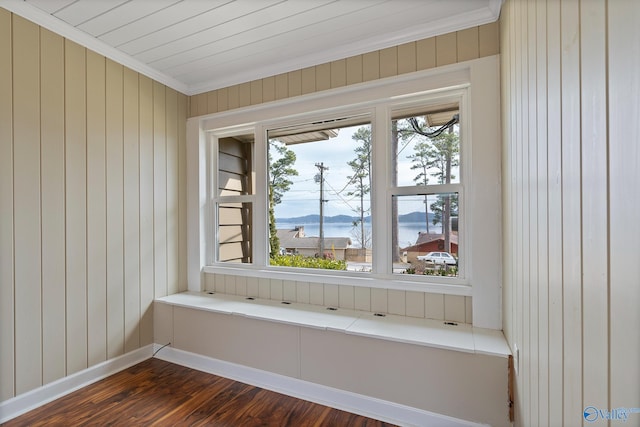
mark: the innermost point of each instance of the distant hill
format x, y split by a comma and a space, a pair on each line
314, 219
415, 217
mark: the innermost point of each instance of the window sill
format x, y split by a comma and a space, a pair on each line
424, 332
396, 282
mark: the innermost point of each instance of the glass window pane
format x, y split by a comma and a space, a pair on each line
320, 185
234, 232
235, 177
427, 151
419, 228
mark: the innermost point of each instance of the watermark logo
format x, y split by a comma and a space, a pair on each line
591, 414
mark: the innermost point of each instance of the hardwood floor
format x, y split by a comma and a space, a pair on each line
160, 393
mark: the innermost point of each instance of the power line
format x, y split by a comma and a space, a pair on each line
342, 199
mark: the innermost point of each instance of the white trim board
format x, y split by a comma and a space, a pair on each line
25, 402
347, 401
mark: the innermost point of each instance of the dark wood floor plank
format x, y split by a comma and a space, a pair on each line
159, 393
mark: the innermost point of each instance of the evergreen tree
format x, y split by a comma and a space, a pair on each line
439, 154
420, 160
443, 156
280, 171
361, 180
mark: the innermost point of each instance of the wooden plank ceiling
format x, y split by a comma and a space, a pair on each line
207, 44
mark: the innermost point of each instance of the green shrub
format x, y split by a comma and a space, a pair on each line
441, 271
308, 262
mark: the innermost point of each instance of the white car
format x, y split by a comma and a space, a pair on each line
439, 258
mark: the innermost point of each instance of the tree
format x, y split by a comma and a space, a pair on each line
280, 170
440, 154
420, 160
437, 207
443, 156
362, 235
402, 132
361, 179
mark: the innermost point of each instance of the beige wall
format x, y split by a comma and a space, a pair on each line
456, 308
92, 205
570, 87
472, 43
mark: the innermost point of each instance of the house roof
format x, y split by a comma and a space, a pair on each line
430, 237
197, 46
425, 238
290, 239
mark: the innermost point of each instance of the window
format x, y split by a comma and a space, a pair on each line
234, 200
473, 189
320, 177
426, 188
319, 182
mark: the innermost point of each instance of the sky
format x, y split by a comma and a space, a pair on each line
303, 198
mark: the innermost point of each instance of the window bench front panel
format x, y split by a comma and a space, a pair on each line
455, 370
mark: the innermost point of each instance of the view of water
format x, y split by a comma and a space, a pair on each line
407, 231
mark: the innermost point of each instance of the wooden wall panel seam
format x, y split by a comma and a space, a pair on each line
27, 226
7, 266
96, 212
52, 202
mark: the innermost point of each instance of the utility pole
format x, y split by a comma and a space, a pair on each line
320, 178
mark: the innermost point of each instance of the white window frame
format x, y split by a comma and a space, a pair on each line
475, 82
213, 198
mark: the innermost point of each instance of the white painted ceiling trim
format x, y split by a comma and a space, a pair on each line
483, 15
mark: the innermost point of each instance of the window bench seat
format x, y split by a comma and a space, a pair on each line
407, 371
426, 332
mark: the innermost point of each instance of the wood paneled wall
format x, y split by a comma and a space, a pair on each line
570, 88
472, 43
455, 308
92, 205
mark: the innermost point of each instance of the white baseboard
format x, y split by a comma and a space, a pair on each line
340, 399
32, 399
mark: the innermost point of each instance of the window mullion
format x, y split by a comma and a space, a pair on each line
211, 153
380, 195
261, 220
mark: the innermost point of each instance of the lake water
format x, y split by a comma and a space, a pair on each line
407, 232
